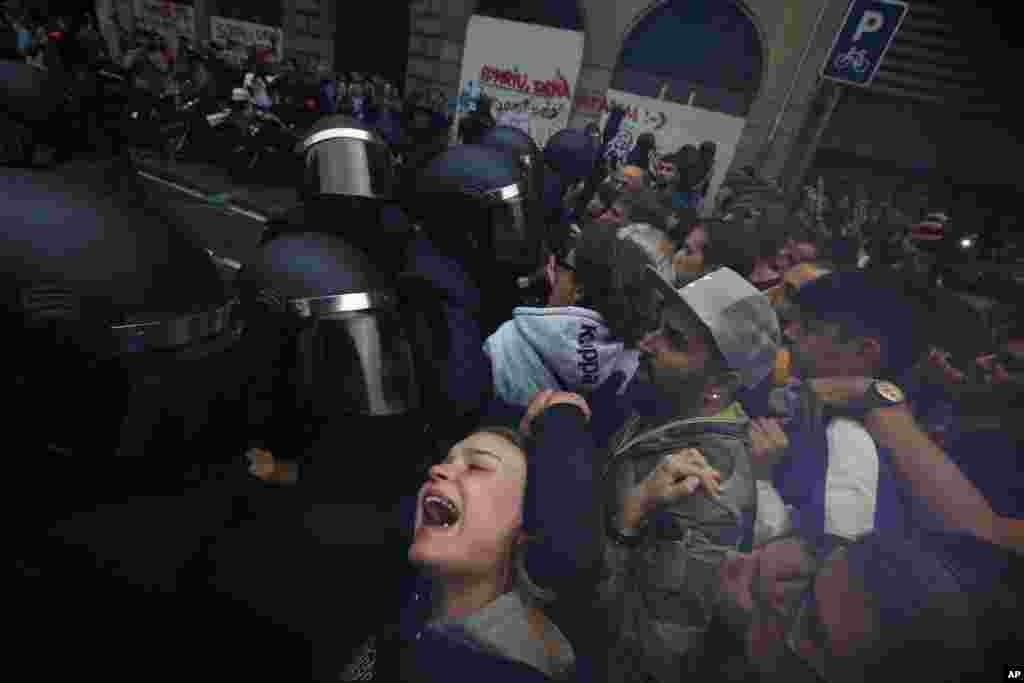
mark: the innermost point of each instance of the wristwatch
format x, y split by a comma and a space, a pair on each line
880, 394
626, 540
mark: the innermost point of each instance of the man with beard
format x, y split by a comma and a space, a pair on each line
717, 337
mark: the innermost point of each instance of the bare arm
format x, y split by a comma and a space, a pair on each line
937, 481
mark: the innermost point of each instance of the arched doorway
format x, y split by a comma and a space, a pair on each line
707, 53
688, 74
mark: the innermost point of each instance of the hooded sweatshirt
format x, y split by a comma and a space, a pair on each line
566, 348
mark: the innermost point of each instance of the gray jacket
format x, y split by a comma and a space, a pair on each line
660, 596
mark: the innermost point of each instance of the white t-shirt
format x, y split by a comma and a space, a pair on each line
851, 487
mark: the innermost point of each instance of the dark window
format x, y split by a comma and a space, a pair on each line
707, 49
563, 14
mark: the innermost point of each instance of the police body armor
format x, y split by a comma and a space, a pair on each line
122, 320
461, 281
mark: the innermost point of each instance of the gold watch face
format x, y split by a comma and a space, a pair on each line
889, 391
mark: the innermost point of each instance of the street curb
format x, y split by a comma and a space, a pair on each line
186, 185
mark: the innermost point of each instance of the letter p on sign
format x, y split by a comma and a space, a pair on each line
870, 22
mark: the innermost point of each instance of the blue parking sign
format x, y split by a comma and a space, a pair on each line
861, 43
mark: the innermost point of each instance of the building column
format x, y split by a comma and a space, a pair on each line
202, 11
591, 89
426, 39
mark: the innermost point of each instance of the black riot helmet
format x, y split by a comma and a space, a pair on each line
344, 157
353, 356
114, 312
571, 154
470, 202
521, 146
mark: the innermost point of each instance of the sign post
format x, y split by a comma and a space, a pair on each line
856, 55
863, 40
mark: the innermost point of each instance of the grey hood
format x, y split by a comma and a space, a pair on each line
503, 630
566, 348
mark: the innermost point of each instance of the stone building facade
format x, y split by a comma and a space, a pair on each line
794, 35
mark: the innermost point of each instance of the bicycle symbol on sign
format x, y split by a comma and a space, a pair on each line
854, 59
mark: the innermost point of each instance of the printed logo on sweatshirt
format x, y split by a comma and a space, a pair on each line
586, 349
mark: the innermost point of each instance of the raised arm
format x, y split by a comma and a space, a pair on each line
937, 481
931, 475
562, 500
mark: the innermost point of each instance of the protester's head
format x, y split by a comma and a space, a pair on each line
635, 206
782, 294
857, 324
667, 171
739, 245
469, 518
603, 200
795, 278
611, 279
800, 246
630, 178
560, 266
655, 243
715, 336
641, 154
865, 610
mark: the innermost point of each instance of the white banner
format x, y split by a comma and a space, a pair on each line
673, 126
169, 19
248, 35
529, 71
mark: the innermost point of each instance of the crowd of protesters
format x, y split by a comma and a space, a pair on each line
723, 441
713, 485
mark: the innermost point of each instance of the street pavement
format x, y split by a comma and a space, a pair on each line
227, 217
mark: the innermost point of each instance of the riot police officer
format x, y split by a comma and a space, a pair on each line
521, 147
323, 340
571, 156
474, 241
116, 307
332, 392
348, 189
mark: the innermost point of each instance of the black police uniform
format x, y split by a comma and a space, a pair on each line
119, 336
474, 242
345, 240
332, 387
571, 156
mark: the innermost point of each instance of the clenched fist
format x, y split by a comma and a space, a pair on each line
547, 398
677, 476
